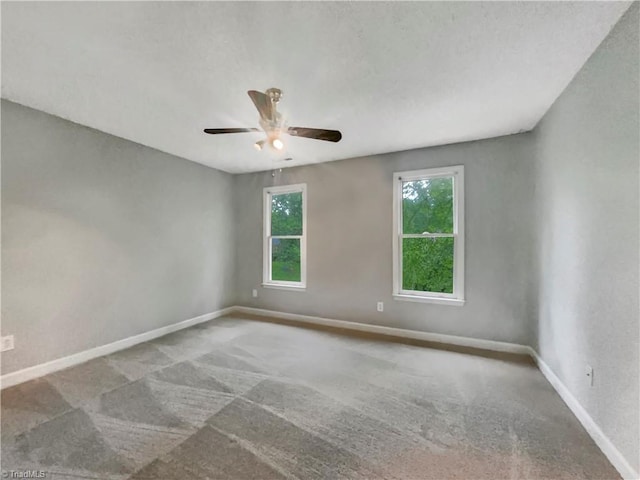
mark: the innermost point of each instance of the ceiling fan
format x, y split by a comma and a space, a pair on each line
272, 123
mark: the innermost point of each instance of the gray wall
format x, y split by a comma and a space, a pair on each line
349, 240
587, 236
103, 238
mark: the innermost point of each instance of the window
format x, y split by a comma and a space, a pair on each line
428, 238
284, 250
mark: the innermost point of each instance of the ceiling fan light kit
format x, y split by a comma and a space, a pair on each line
277, 143
272, 123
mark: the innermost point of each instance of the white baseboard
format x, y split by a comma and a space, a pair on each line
395, 332
36, 371
602, 441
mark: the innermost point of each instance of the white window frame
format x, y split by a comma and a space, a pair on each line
457, 297
266, 234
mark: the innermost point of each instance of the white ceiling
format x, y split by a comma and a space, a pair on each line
391, 76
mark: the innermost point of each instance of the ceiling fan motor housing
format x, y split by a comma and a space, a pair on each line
275, 94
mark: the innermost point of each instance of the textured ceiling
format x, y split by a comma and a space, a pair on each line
391, 76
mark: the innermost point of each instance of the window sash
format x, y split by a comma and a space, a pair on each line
428, 235
267, 277
457, 174
423, 293
285, 237
270, 276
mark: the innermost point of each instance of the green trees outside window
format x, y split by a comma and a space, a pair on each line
286, 222
428, 235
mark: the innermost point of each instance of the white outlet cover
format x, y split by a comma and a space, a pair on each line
589, 373
380, 306
254, 293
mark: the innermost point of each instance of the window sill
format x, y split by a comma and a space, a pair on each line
292, 288
439, 300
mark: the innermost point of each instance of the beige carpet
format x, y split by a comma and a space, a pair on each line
240, 399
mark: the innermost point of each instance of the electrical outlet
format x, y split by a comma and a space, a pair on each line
380, 306
589, 373
254, 293
6, 343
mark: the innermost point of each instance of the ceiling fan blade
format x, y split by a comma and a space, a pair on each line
316, 133
262, 103
215, 131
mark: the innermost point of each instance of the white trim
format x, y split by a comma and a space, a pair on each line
279, 286
428, 235
391, 331
428, 172
280, 189
457, 172
424, 299
595, 432
29, 373
266, 236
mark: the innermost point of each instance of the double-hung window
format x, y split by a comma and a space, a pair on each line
428, 238
284, 248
